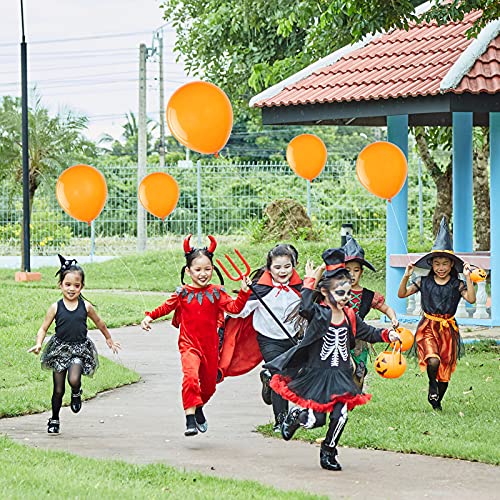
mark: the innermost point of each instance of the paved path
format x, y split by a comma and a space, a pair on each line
144, 423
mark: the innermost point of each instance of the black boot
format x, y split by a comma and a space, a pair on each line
433, 397
76, 401
442, 388
328, 457
291, 423
53, 426
265, 378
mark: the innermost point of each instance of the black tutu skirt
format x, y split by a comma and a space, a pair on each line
319, 389
59, 355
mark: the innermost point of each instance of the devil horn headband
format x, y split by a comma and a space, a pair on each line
188, 248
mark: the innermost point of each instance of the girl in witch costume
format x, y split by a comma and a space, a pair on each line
437, 336
278, 285
362, 301
198, 310
70, 353
317, 373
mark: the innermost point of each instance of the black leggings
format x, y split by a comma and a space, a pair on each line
270, 349
75, 381
338, 420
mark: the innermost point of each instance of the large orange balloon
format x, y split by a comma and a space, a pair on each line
81, 191
200, 116
382, 168
306, 154
159, 194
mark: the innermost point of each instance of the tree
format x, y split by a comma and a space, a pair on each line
55, 143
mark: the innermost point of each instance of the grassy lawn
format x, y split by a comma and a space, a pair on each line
30, 473
399, 418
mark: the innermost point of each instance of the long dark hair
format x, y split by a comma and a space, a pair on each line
329, 282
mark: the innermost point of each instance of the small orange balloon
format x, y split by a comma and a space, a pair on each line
306, 154
382, 168
159, 194
81, 191
406, 337
390, 364
200, 116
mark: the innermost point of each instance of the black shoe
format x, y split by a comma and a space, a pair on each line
328, 458
265, 378
191, 427
291, 423
278, 421
201, 421
434, 399
76, 401
53, 426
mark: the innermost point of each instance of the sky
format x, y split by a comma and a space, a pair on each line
83, 55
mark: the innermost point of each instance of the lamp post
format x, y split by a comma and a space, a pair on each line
25, 152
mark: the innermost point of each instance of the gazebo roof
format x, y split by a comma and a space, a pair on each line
426, 72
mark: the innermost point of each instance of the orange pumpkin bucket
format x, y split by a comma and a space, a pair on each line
390, 364
406, 337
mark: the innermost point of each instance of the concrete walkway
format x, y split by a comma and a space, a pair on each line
144, 423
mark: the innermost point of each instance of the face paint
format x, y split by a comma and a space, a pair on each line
340, 293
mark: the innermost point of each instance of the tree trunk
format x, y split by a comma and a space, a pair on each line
482, 193
442, 180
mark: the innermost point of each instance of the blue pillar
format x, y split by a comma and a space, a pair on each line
396, 218
462, 183
495, 216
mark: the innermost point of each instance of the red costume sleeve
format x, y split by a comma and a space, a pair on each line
167, 307
233, 306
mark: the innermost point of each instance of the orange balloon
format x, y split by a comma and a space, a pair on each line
406, 337
200, 116
306, 154
382, 168
81, 191
159, 194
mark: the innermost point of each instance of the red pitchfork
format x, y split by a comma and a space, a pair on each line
241, 276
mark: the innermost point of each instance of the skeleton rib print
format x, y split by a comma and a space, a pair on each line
335, 344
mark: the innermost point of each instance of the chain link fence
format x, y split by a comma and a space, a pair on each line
232, 197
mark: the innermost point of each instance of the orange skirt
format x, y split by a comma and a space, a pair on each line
435, 340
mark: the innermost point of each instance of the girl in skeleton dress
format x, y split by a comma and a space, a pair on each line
317, 374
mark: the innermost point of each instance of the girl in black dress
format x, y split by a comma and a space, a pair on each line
70, 352
317, 374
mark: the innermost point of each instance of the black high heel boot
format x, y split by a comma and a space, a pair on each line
76, 401
53, 426
328, 458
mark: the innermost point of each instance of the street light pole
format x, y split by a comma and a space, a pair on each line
25, 151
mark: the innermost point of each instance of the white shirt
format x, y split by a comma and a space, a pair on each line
281, 301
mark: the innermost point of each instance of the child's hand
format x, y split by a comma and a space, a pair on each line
409, 269
394, 336
246, 282
467, 270
36, 349
395, 323
146, 323
310, 271
114, 346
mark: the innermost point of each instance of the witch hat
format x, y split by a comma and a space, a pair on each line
442, 247
65, 263
354, 252
334, 259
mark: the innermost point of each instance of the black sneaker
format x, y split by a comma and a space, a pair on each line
433, 398
201, 421
53, 426
76, 401
191, 428
328, 458
265, 378
291, 423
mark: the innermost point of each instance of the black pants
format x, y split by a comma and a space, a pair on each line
270, 349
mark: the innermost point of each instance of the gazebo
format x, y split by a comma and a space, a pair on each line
429, 75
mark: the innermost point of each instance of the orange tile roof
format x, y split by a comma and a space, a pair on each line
397, 64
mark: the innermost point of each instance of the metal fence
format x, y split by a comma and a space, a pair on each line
232, 199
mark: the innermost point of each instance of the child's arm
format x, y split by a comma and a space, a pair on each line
390, 313
99, 323
469, 294
403, 291
307, 304
166, 308
369, 333
42, 331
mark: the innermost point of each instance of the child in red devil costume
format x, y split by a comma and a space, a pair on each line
198, 308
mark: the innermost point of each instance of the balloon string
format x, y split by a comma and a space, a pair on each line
400, 232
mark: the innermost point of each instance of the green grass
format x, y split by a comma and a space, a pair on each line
30, 473
399, 418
